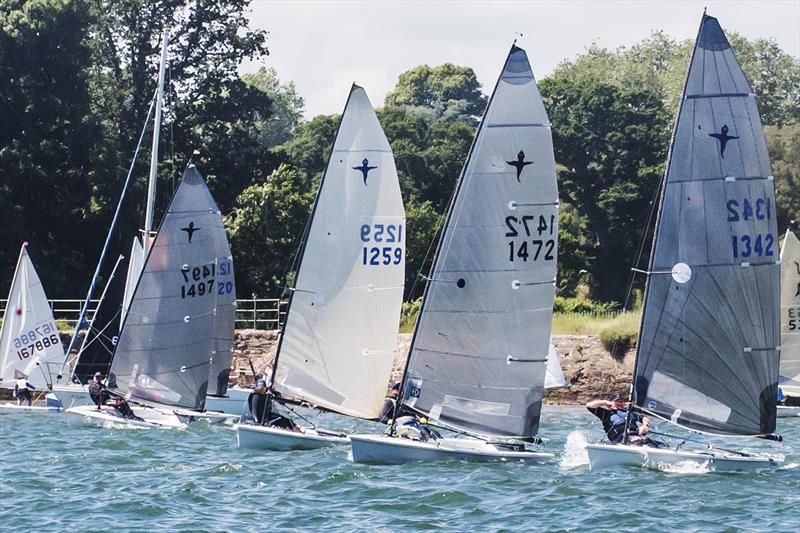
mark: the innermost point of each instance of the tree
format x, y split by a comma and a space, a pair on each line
46, 142
265, 228
308, 151
611, 145
451, 92
424, 224
286, 108
784, 153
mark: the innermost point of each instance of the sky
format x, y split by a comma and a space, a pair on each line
325, 46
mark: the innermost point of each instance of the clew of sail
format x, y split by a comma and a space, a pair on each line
29, 340
165, 347
479, 352
341, 329
790, 315
708, 357
97, 348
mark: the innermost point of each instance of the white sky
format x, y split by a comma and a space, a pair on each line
325, 46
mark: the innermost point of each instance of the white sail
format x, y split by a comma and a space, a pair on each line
790, 315
554, 374
135, 265
29, 338
341, 330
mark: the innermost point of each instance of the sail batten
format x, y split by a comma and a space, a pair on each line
478, 356
337, 346
708, 349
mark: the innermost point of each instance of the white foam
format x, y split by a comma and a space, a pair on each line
575, 454
685, 467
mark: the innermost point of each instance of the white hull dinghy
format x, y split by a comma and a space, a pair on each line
383, 449
788, 412
340, 332
72, 395
233, 402
709, 343
107, 417
11, 408
280, 439
211, 417
472, 369
614, 455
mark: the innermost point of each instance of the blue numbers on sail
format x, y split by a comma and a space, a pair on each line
198, 280
748, 244
385, 244
520, 230
225, 284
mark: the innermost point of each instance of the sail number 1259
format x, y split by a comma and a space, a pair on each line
386, 244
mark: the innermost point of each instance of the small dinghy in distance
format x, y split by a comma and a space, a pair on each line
709, 343
338, 342
29, 342
478, 356
790, 327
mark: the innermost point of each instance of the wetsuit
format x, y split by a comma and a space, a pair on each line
614, 422
388, 411
258, 404
98, 393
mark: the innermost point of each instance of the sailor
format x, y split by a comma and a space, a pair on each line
22, 391
97, 390
258, 402
613, 413
390, 405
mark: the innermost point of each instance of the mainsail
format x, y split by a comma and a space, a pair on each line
29, 340
708, 357
165, 347
338, 342
224, 321
790, 315
478, 356
101, 337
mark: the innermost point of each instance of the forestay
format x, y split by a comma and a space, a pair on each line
708, 357
97, 348
477, 360
790, 315
341, 330
29, 340
165, 348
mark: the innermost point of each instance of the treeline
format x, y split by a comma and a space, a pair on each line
81, 76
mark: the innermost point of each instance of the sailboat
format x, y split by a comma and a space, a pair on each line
29, 341
790, 326
166, 346
478, 354
340, 332
707, 357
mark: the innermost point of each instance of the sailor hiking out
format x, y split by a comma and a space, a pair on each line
613, 414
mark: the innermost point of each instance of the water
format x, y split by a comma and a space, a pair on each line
57, 478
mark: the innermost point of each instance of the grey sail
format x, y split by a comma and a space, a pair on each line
479, 352
708, 352
97, 349
165, 347
224, 318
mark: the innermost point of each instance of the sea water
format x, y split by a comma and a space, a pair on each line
58, 478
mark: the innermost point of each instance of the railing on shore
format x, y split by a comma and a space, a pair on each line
251, 313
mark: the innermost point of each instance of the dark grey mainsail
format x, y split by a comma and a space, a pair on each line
98, 344
224, 320
708, 357
165, 348
480, 347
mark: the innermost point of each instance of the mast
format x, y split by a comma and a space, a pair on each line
151, 186
302, 250
663, 185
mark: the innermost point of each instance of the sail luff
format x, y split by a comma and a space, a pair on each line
707, 357
790, 315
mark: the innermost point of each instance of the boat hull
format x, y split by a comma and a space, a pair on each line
89, 416
211, 417
72, 395
234, 402
383, 449
279, 439
614, 455
9, 408
788, 411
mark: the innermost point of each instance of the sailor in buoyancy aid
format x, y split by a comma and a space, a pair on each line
390, 405
22, 391
613, 414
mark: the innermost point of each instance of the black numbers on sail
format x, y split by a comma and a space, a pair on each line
522, 249
198, 281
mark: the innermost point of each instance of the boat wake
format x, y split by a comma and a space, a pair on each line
686, 467
575, 454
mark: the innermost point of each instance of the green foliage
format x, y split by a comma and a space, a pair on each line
620, 334
423, 223
279, 122
449, 92
784, 153
265, 229
408, 315
308, 151
580, 305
